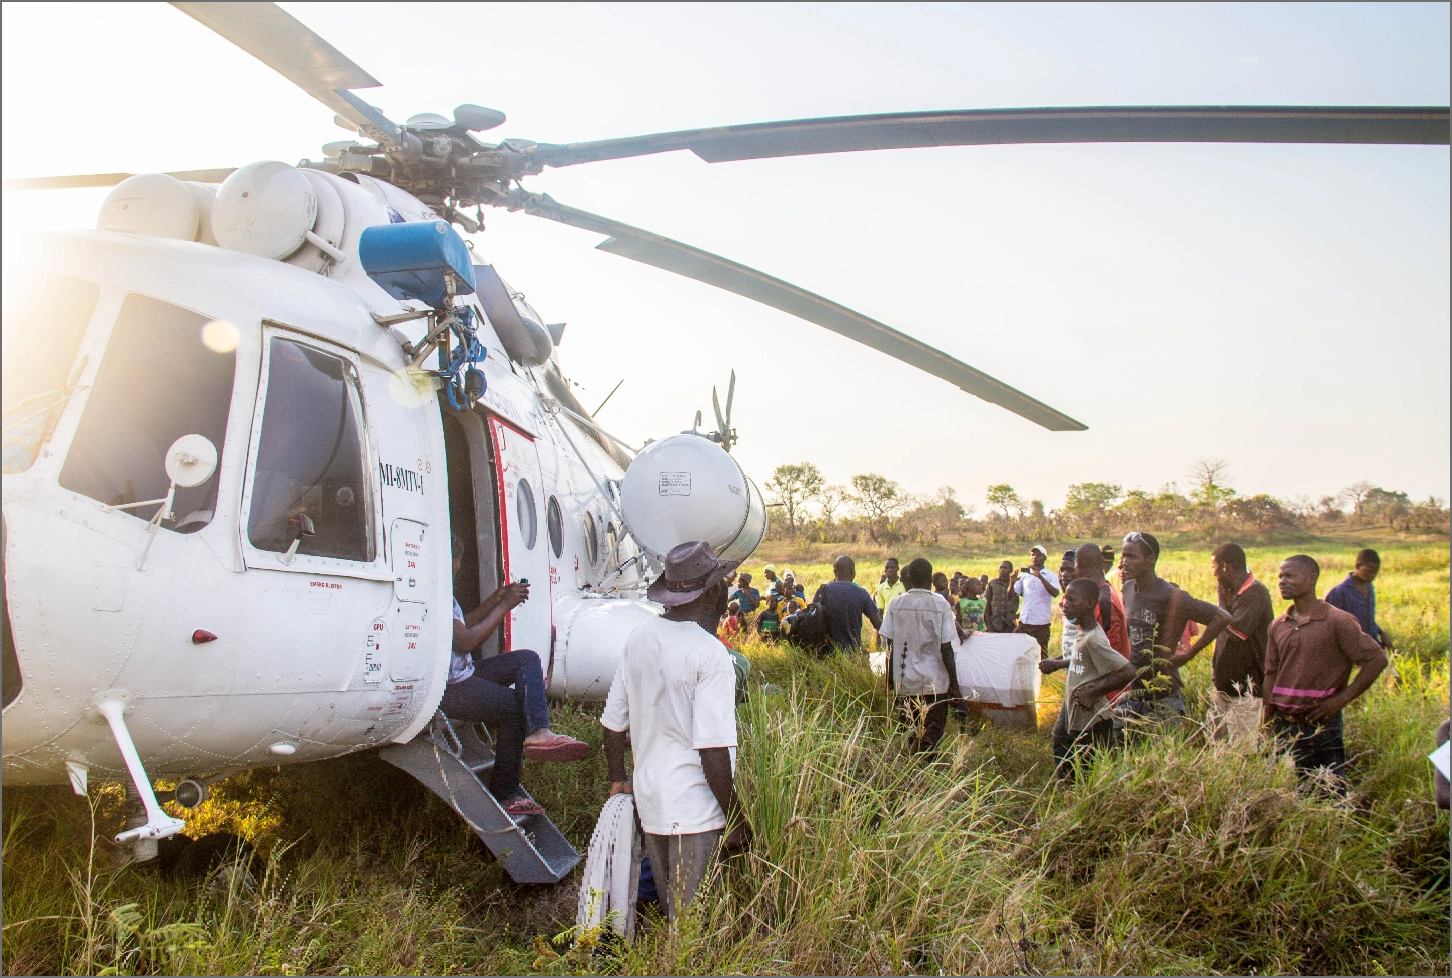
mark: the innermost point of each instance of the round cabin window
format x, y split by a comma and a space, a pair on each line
592, 540
555, 525
525, 513
612, 543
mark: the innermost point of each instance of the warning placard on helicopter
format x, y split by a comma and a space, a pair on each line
398, 701
375, 651
675, 483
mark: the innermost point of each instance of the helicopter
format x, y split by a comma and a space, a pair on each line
252, 417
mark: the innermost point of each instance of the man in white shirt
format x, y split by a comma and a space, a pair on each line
919, 627
674, 695
1039, 586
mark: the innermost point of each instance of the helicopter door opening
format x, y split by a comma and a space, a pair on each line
473, 512
525, 550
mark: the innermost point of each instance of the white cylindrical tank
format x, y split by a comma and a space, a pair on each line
329, 224
154, 204
265, 209
590, 636
686, 488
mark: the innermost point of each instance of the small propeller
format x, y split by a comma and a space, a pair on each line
724, 435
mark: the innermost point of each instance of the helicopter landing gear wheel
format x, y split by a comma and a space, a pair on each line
219, 861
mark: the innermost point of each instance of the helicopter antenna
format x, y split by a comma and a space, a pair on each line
607, 397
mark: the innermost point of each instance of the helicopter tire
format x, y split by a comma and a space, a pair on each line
213, 857
169, 850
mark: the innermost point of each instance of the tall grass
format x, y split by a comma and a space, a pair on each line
1176, 856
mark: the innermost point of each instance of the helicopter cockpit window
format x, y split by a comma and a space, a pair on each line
310, 457
45, 317
555, 523
167, 372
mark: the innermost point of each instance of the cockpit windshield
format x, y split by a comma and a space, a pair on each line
45, 317
167, 372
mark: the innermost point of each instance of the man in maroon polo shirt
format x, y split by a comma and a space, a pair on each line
1309, 657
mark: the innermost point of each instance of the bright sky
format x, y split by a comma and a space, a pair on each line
1285, 308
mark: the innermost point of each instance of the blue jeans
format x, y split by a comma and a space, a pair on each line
1139, 714
1072, 747
520, 669
1315, 747
485, 697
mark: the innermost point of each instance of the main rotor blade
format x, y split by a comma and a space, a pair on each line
280, 41
109, 179
673, 256
972, 127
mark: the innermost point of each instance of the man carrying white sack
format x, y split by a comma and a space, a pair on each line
674, 694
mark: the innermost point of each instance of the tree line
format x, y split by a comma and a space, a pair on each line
875, 508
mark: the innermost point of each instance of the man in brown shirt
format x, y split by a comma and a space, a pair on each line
1311, 651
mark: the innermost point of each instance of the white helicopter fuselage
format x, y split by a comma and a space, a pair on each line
314, 656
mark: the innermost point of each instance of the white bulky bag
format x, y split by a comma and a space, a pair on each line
998, 667
611, 879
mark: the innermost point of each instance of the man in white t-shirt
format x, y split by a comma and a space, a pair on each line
675, 696
920, 627
1038, 586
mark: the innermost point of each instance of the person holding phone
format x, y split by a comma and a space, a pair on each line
479, 692
1038, 586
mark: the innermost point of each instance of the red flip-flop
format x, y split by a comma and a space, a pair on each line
522, 807
558, 748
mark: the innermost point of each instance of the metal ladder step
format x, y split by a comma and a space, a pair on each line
448, 758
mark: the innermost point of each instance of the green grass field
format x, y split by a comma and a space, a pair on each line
1179, 856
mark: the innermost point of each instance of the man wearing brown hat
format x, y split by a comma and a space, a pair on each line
674, 696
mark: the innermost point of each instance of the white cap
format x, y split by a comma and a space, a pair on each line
1038, 549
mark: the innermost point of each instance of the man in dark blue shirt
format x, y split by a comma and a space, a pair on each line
846, 603
1357, 595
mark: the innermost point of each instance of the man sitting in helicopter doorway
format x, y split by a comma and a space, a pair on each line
480, 693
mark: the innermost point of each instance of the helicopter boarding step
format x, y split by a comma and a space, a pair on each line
452, 760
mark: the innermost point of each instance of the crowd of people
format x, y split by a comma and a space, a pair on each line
672, 702
1122, 648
